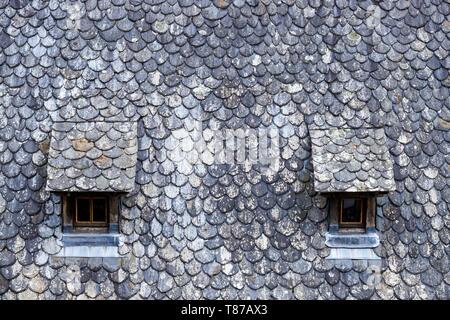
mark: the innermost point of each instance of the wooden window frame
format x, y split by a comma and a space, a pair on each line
91, 223
69, 202
368, 217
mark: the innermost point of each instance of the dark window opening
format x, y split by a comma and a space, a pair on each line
90, 212
352, 213
83, 210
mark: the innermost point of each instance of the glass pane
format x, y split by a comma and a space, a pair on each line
351, 211
99, 212
83, 211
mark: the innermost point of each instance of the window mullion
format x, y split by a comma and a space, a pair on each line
91, 209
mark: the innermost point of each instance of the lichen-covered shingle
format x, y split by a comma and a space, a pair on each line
92, 156
351, 160
292, 65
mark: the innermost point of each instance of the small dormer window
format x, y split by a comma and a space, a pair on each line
91, 165
352, 167
354, 213
352, 232
90, 212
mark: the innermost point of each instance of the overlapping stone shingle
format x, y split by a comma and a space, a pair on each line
218, 231
351, 160
92, 156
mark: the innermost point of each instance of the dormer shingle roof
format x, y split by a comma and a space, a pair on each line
92, 156
351, 160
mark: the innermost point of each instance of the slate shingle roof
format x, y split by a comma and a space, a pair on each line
92, 156
351, 160
215, 232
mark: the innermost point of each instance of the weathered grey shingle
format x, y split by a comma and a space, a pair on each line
351, 160
293, 65
94, 156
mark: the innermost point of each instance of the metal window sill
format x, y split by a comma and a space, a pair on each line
90, 239
352, 240
352, 254
352, 246
89, 245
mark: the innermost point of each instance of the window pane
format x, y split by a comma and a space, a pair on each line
83, 211
99, 211
351, 211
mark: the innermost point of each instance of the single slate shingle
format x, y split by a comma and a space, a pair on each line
92, 156
351, 160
